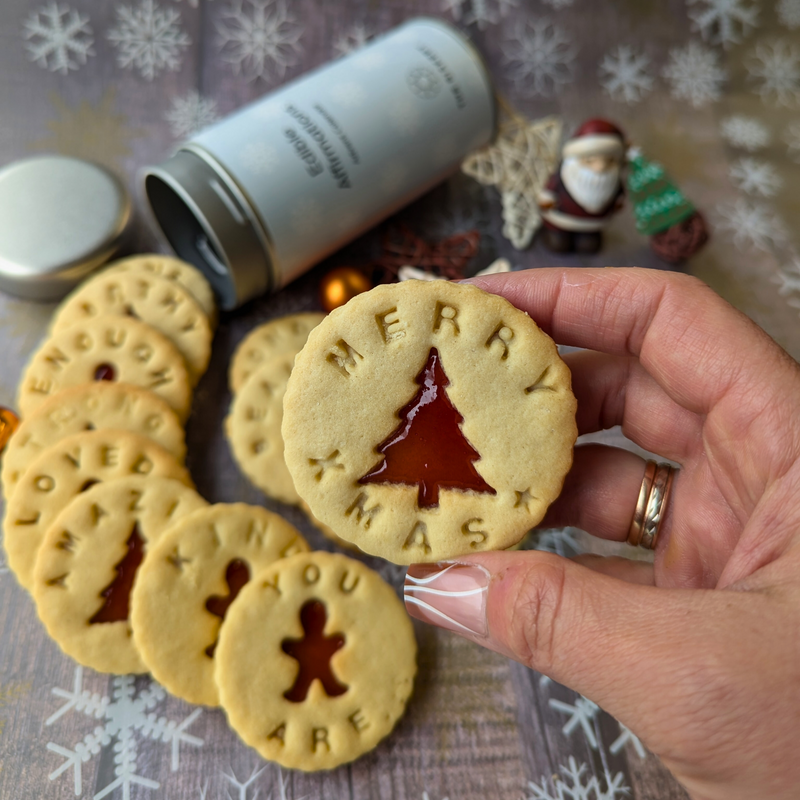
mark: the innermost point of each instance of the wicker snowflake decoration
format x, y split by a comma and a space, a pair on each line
519, 162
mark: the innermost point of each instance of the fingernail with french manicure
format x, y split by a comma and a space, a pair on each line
449, 595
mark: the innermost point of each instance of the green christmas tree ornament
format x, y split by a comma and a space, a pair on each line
675, 227
657, 202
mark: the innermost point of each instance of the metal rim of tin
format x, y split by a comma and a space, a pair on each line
220, 230
208, 222
60, 219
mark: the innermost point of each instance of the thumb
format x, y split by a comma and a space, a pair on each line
622, 645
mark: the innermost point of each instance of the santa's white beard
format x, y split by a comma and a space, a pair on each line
591, 190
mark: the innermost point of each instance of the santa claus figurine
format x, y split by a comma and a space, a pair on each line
580, 198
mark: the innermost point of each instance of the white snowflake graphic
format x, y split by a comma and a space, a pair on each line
577, 785
792, 138
750, 225
626, 735
259, 38
789, 13
59, 39
541, 56
353, 39
480, 12
623, 74
788, 280
723, 22
260, 158
581, 714
348, 94
123, 716
242, 788
775, 69
694, 74
191, 113
148, 38
756, 177
746, 133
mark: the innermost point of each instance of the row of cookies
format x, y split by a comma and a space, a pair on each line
311, 655
105, 394
146, 320
257, 377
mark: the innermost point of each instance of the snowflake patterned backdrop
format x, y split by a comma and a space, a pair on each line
710, 88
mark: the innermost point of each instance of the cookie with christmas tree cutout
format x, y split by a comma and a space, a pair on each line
425, 420
187, 582
88, 561
330, 673
61, 472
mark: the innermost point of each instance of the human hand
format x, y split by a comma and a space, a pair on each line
699, 653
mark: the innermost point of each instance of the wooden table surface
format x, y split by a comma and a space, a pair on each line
710, 93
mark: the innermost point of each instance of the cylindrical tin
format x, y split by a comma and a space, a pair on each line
258, 198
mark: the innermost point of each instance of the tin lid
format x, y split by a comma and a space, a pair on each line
208, 222
60, 218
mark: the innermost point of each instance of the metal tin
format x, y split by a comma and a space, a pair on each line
258, 198
60, 218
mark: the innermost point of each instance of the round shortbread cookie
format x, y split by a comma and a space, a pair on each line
253, 427
106, 348
278, 337
161, 303
184, 586
175, 270
428, 419
91, 406
329, 675
88, 561
62, 472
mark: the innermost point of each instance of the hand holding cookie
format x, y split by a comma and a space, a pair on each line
695, 648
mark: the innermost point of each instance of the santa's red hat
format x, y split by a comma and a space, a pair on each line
596, 137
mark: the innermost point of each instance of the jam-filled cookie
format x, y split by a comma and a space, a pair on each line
161, 303
187, 582
428, 419
88, 561
316, 661
62, 472
110, 349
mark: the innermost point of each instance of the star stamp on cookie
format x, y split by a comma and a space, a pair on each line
329, 675
88, 561
188, 581
62, 472
428, 419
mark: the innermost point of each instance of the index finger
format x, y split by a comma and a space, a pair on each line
688, 338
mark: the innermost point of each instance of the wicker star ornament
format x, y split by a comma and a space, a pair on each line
519, 162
